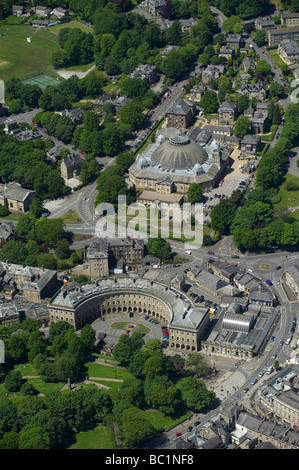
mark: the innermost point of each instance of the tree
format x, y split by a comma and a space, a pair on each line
221, 216
260, 38
32, 437
13, 381
209, 102
136, 427
242, 126
63, 249
198, 364
195, 193
160, 248
153, 366
276, 91
131, 114
243, 103
88, 337
195, 394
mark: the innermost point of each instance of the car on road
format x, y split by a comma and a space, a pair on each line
274, 356
127, 332
210, 252
278, 268
46, 213
261, 374
273, 338
269, 282
189, 429
196, 423
254, 381
235, 256
281, 343
178, 434
245, 389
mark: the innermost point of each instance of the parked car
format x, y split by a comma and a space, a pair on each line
189, 429
178, 434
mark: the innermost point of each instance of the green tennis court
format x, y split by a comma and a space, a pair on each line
43, 81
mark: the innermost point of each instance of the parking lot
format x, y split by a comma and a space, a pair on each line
113, 334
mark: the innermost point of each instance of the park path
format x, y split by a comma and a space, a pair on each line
102, 361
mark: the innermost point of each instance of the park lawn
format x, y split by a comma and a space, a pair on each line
72, 24
71, 218
99, 370
109, 383
26, 369
159, 420
45, 387
276, 57
99, 438
109, 359
80, 68
21, 59
289, 199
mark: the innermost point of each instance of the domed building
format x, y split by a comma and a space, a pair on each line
174, 162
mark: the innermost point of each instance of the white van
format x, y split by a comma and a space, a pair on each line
269, 370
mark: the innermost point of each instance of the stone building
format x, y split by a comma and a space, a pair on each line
281, 396
79, 305
265, 23
181, 161
71, 166
290, 19
36, 284
212, 71
181, 114
15, 198
9, 314
288, 51
254, 90
292, 279
275, 36
227, 113
103, 255
145, 72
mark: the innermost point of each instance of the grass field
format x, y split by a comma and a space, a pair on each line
21, 59
159, 420
99, 370
289, 199
71, 24
99, 438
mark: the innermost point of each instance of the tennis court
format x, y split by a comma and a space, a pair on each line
43, 81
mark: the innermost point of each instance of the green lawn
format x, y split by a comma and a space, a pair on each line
99, 438
289, 199
109, 383
159, 420
71, 24
99, 370
276, 57
21, 59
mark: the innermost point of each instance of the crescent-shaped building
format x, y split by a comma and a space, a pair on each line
79, 305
